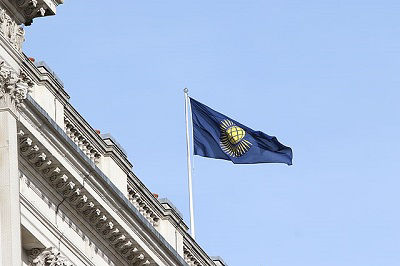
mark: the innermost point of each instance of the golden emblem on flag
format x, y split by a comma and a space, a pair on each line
232, 139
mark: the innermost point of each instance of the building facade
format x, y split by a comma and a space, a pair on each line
68, 195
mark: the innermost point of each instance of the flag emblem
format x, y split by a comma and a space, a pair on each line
232, 139
215, 135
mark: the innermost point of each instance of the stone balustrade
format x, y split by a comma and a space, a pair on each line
142, 206
81, 141
190, 258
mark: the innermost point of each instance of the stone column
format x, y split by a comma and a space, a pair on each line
13, 90
10, 235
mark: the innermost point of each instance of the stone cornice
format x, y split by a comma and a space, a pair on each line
46, 76
190, 245
154, 204
75, 194
95, 139
193, 251
90, 209
28, 205
24, 11
194, 255
34, 181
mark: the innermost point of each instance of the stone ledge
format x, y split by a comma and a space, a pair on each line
42, 64
219, 260
171, 206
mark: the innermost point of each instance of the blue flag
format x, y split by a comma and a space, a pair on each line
218, 136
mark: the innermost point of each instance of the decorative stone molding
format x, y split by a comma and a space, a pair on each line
47, 257
83, 143
142, 206
14, 87
11, 31
190, 258
91, 210
31, 8
27, 10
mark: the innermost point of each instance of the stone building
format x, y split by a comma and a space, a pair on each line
68, 195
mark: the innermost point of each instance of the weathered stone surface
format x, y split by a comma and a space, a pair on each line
14, 87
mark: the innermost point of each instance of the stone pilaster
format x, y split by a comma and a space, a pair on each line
13, 90
10, 235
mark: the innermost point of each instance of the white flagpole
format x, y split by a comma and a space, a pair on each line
189, 165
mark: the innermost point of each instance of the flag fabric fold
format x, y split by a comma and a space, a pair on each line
218, 136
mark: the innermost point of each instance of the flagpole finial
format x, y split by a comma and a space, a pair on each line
185, 90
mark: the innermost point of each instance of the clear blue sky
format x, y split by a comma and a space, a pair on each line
322, 76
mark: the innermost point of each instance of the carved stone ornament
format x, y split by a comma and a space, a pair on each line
88, 208
47, 257
11, 31
14, 87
